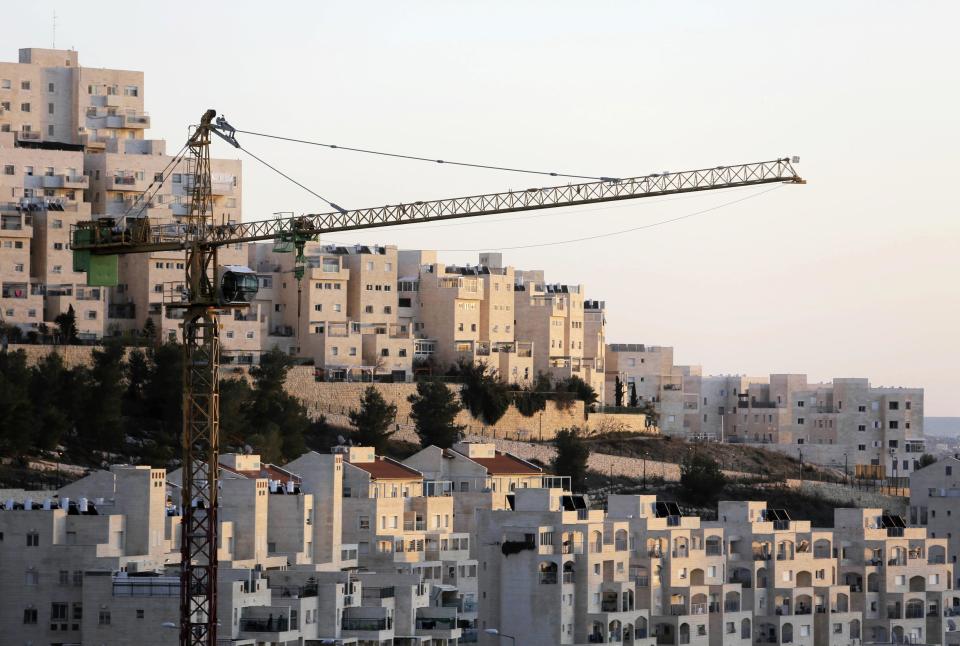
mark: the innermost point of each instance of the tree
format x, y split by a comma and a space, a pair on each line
434, 410
50, 397
102, 427
571, 458
373, 420
483, 393
67, 322
926, 460
16, 411
581, 390
618, 392
149, 331
701, 480
634, 400
275, 422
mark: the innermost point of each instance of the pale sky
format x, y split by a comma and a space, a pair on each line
854, 274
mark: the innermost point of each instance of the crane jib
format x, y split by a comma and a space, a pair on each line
139, 235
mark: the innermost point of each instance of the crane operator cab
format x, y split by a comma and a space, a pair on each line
236, 284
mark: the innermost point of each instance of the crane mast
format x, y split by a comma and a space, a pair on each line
200, 239
201, 410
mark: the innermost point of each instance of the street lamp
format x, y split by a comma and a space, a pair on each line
497, 633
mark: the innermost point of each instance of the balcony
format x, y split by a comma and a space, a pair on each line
679, 609
136, 121
14, 290
365, 624
160, 586
125, 183
33, 135
66, 181
222, 188
268, 624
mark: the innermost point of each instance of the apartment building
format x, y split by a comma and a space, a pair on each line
935, 505
847, 423
554, 572
595, 345
41, 197
73, 145
402, 522
678, 566
898, 577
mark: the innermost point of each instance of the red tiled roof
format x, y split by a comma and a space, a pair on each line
269, 471
506, 464
386, 469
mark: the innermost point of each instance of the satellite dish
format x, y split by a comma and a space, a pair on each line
247, 449
340, 440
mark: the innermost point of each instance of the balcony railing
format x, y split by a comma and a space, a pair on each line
363, 624
269, 625
436, 623
147, 587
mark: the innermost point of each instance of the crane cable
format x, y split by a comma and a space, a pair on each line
176, 159
429, 159
282, 174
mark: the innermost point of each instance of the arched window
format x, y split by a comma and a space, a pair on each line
568, 572
548, 572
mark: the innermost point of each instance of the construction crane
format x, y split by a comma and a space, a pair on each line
210, 288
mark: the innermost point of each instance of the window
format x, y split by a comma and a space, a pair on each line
334, 351
250, 334
388, 266
64, 577
318, 307
24, 85
77, 611
31, 577
33, 539
861, 447
30, 616
49, 108
139, 613
402, 352
385, 352
104, 618
800, 420
8, 169
77, 581
353, 352
894, 405
25, 107
336, 307
5, 84
131, 90
369, 268
861, 409
58, 612
387, 309
50, 87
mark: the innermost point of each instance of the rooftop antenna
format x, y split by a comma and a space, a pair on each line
54, 46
